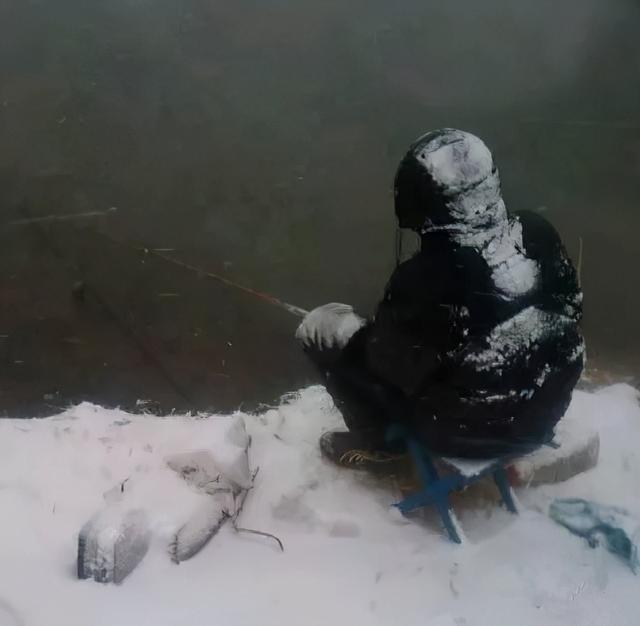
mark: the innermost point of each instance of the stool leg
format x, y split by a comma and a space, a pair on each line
500, 476
422, 460
429, 476
447, 521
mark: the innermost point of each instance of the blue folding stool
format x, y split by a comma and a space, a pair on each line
436, 489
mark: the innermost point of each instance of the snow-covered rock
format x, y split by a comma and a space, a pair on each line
112, 543
578, 451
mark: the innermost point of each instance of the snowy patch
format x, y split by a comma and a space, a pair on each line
577, 353
542, 377
513, 273
509, 338
457, 159
462, 165
338, 528
578, 449
501, 247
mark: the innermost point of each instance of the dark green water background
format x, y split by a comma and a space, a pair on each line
259, 139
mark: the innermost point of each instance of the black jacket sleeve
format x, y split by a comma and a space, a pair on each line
412, 326
558, 289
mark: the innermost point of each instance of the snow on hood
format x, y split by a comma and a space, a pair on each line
455, 159
462, 175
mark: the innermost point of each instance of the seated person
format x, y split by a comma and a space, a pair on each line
476, 345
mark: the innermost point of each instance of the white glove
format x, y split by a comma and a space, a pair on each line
329, 326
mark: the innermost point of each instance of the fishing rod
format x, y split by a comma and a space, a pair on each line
47, 219
290, 308
398, 246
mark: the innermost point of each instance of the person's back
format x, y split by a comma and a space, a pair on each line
477, 338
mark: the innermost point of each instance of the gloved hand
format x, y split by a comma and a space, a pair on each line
329, 326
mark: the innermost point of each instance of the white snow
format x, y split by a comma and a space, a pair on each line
468, 467
512, 272
114, 542
501, 246
577, 352
523, 330
457, 159
463, 166
349, 557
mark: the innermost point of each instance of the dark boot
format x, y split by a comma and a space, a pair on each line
357, 450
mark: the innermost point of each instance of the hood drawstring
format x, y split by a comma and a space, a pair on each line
398, 246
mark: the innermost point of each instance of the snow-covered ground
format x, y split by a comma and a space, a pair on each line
349, 558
